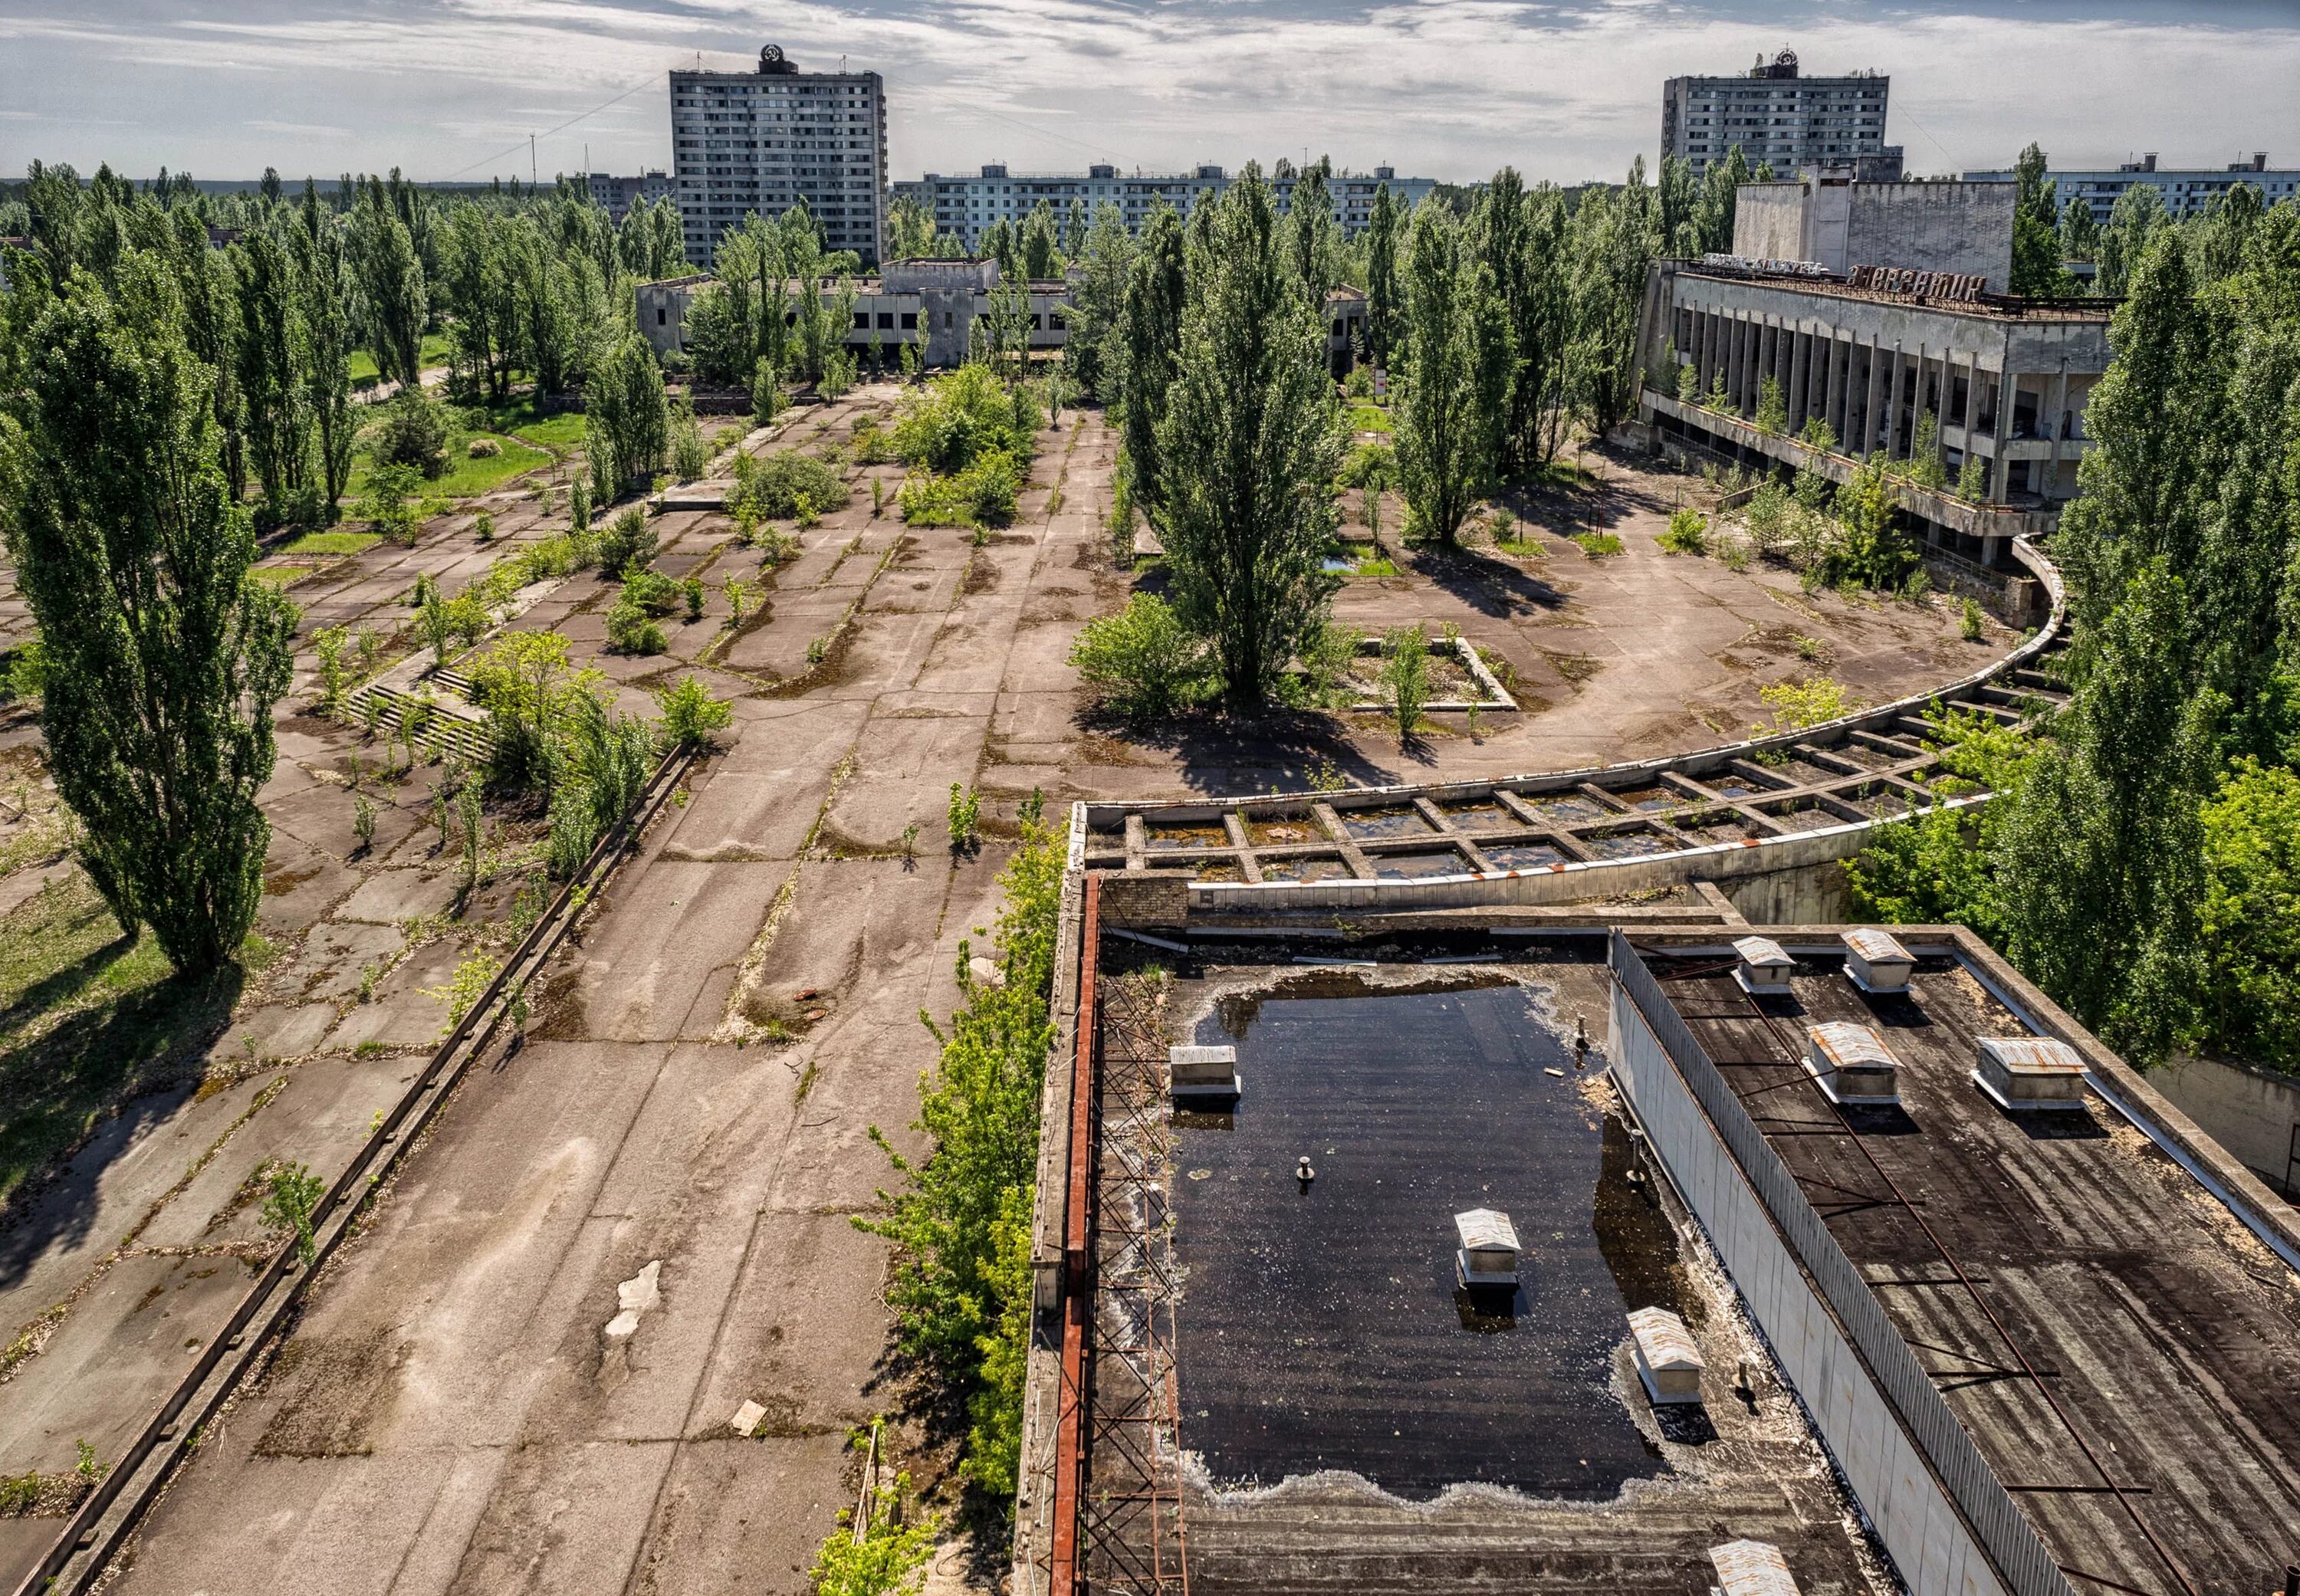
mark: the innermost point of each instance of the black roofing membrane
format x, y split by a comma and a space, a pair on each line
1322, 1329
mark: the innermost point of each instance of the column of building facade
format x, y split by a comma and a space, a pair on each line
2000, 473
2055, 415
1840, 384
1800, 378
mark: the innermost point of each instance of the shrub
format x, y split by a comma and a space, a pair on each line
1689, 384
965, 817
964, 414
1141, 662
630, 630
389, 503
295, 1197
1327, 659
1688, 533
1359, 383
1369, 463
1972, 480
1797, 705
652, 592
886, 1556
1405, 677
573, 832
693, 587
483, 527
579, 506
1772, 409
413, 432
1971, 624
483, 448
1817, 434
627, 544
690, 715
771, 487
690, 456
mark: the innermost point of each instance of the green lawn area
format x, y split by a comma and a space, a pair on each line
1367, 417
556, 431
89, 1021
433, 352
466, 477
331, 543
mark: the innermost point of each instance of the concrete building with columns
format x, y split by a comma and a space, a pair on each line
1869, 353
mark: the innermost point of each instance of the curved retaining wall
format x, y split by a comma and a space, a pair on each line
1579, 880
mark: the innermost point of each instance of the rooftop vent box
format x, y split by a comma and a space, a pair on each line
1875, 960
1850, 1063
2030, 1072
1752, 1568
1488, 1251
1765, 969
1669, 1362
1202, 1071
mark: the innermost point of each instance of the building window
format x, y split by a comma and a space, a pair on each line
662, 317
909, 320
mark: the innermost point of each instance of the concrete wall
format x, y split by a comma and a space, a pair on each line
1769, 221
1807, 895
1934, 227
1930, 1541
2250, 1112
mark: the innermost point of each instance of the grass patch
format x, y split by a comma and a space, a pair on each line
433, 352
466, 477
282, 576
1521, 548
1598, 545
1365, 417
333, 544
88, 1022
555, 430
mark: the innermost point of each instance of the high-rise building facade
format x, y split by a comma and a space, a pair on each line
969, 206
1781, 119
768, 139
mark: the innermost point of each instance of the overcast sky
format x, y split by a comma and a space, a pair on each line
1445, 88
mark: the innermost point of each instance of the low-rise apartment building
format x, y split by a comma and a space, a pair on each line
2186, 190
934, 304
968, 206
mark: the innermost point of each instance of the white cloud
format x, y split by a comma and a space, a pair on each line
1449, 88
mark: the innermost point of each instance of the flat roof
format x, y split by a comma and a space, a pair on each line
1993, 307
1343, 1417
2122, 1348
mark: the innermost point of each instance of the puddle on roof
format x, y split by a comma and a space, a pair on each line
1627, 844
1563, 808
1483, 817
1414, 866
1323, 1329
1523, 856
1188, 837
1305, 869
1371, 825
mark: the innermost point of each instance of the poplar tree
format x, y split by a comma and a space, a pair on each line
392, 283
1381, 274
1312, 242
1248, 449
1151, 337
165, 655
330, 302
1452, 400
1098, 278
271, 366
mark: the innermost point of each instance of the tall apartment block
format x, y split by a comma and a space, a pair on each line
765, 140
1780, 117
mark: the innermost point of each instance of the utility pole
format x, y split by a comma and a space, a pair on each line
534, 177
